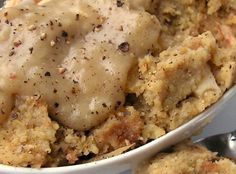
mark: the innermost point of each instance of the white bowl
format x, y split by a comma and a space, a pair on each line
131, 159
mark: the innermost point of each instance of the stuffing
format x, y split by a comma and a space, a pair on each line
188, 158
111, 75
26, 137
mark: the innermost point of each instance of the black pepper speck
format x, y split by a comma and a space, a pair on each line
56, 105
64, 34
119, 3
31, 49
124, 47
77, 17
47, 74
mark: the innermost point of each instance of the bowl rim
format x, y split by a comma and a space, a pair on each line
130, 154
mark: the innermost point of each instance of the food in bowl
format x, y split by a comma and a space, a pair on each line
188, 158
83, 79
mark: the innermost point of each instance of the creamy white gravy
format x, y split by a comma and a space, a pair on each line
75, 54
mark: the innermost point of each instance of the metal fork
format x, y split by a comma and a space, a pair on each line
1, 3
223, 144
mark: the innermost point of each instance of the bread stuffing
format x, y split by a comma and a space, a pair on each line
84, 78
188, 158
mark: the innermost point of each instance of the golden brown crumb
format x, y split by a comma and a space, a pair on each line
75, 145
27, 136
119, 131
188, 159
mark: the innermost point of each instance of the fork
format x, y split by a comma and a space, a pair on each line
223, 144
